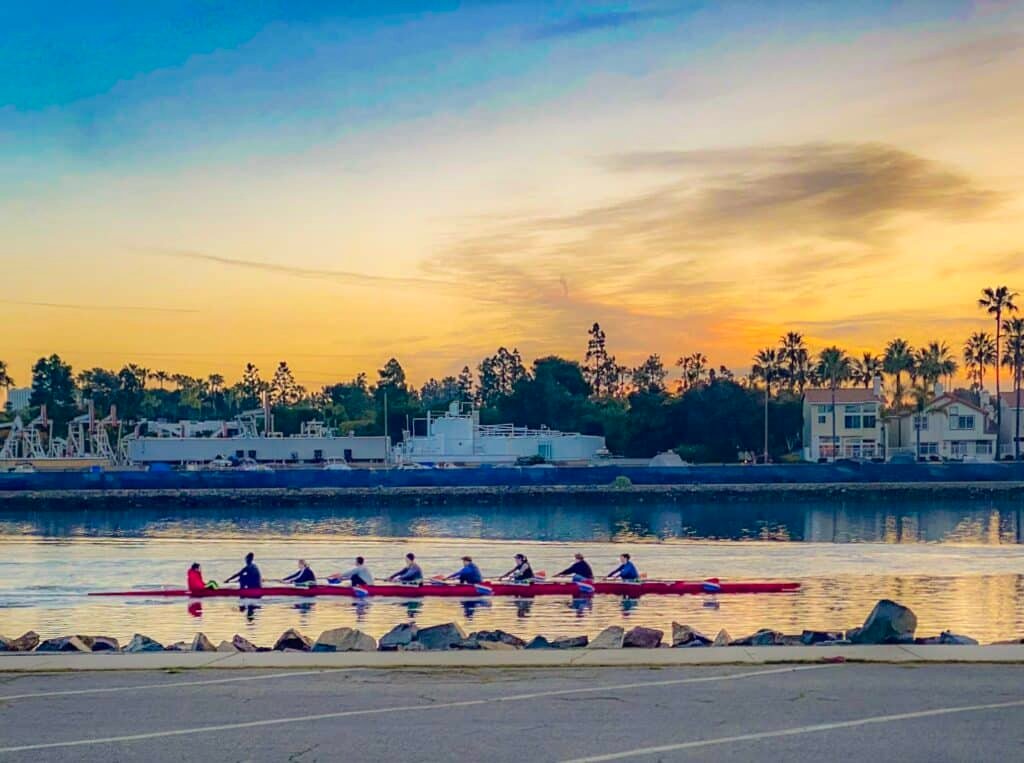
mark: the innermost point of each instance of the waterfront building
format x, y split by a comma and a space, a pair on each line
1011, 421
950, 427
456, 437
859, 430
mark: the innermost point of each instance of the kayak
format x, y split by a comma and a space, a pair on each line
614, 588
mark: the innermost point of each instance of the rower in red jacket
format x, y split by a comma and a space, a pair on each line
195, 579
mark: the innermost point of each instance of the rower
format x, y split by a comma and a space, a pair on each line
522, 572
626, 571
360, 575
195, 579
580, 569
302, 576
249, 576
469, 574
410, 573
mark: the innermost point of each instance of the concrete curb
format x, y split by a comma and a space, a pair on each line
39, 663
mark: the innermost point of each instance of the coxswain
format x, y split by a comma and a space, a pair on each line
626, 571
195, 579
469, 574
249, 576
302, 576
359, 575
580, 569
522, 572
410, 573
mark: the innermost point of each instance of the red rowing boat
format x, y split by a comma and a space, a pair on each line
615, 588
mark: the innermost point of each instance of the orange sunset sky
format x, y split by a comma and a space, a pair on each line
431, 181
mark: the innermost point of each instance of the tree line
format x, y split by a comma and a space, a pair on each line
709, 413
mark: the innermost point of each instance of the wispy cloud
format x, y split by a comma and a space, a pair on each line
592, 22
98, 307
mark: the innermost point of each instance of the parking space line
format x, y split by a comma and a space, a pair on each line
410, 708
795, 731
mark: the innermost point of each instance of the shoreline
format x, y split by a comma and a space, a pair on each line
57, 500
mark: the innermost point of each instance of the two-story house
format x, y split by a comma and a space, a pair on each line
858, 423
1009, 433
951, 428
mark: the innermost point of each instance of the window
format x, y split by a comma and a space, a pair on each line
983, 447
824, 410
870, 422
920, 422
851, 422
961, 422
929, 449
822, 418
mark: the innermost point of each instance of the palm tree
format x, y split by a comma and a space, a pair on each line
935, 362
979, 352
995, 301
898, 358
1014, 360
793, 353
834, 367
866, 368
767, 367
160, 377
5, 378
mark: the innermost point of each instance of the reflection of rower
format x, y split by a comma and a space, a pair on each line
410, 573
580, 569
359, 575
302, 576
469, 574
626, 571
522, 572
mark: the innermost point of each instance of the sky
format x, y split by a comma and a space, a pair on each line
195, 185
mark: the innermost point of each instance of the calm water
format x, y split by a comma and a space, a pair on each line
959, 566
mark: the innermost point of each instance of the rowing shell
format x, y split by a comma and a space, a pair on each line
643, 588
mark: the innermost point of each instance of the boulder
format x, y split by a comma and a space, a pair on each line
402, 634
722, 639
764, 637
947, 637
888, 623
292, 639
63, 644
610, 638
345, 640
200, 643
791, 640
684, 635
570, 642
852, 634
179, 646
226, 646
415, 646
809, 638
642, 638
498, 637
538, 642
439, 637
26, 642
242, 644
140, 644
467, 643
495, 646
102, 643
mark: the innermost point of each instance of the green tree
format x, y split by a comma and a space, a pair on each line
5, 379
650, 375
794, 354
465, 382
439, 393
252, 387
283, 388
979, 353
997, 300
53, 385
898, 360
394, 400
602, 371
1013, 329
834, 367
160, 377
498, 375
935, 362
694, 370
866, 368
768, 367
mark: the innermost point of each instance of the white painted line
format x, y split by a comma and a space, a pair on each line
150, 687
796, 731
404, 709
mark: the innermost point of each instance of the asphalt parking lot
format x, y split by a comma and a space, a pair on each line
733, 713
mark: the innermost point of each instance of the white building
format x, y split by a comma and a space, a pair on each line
858, 423
18, 399
1009, 432
458, 437
951, 429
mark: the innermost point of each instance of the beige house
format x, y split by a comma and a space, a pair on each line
858, 424
951, 429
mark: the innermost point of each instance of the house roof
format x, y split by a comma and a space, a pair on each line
1010, 398
948, 399
844, 395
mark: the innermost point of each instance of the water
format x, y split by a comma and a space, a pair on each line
958, 565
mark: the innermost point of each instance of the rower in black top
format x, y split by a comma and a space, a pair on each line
580, 569
522, 572
249, 576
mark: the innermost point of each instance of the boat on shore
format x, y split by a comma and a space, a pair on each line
526, 590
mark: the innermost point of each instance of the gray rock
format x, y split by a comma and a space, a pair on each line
26, 642
499, 637
292, 639
836, 642
809, 638
415, 646
102, 643
402, 634
764, 637
467, 643
140, 644
642, 638
538, 642
345, 640
242, 644
852, 634
722, 639
439, 637
684, 635
888, 623
947, 637
791, 640
200, 643
610, 638
179, 646
226, 646
570, 642
63, 644
495, 646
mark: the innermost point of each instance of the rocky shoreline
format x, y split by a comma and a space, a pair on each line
888, 623
63, 500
